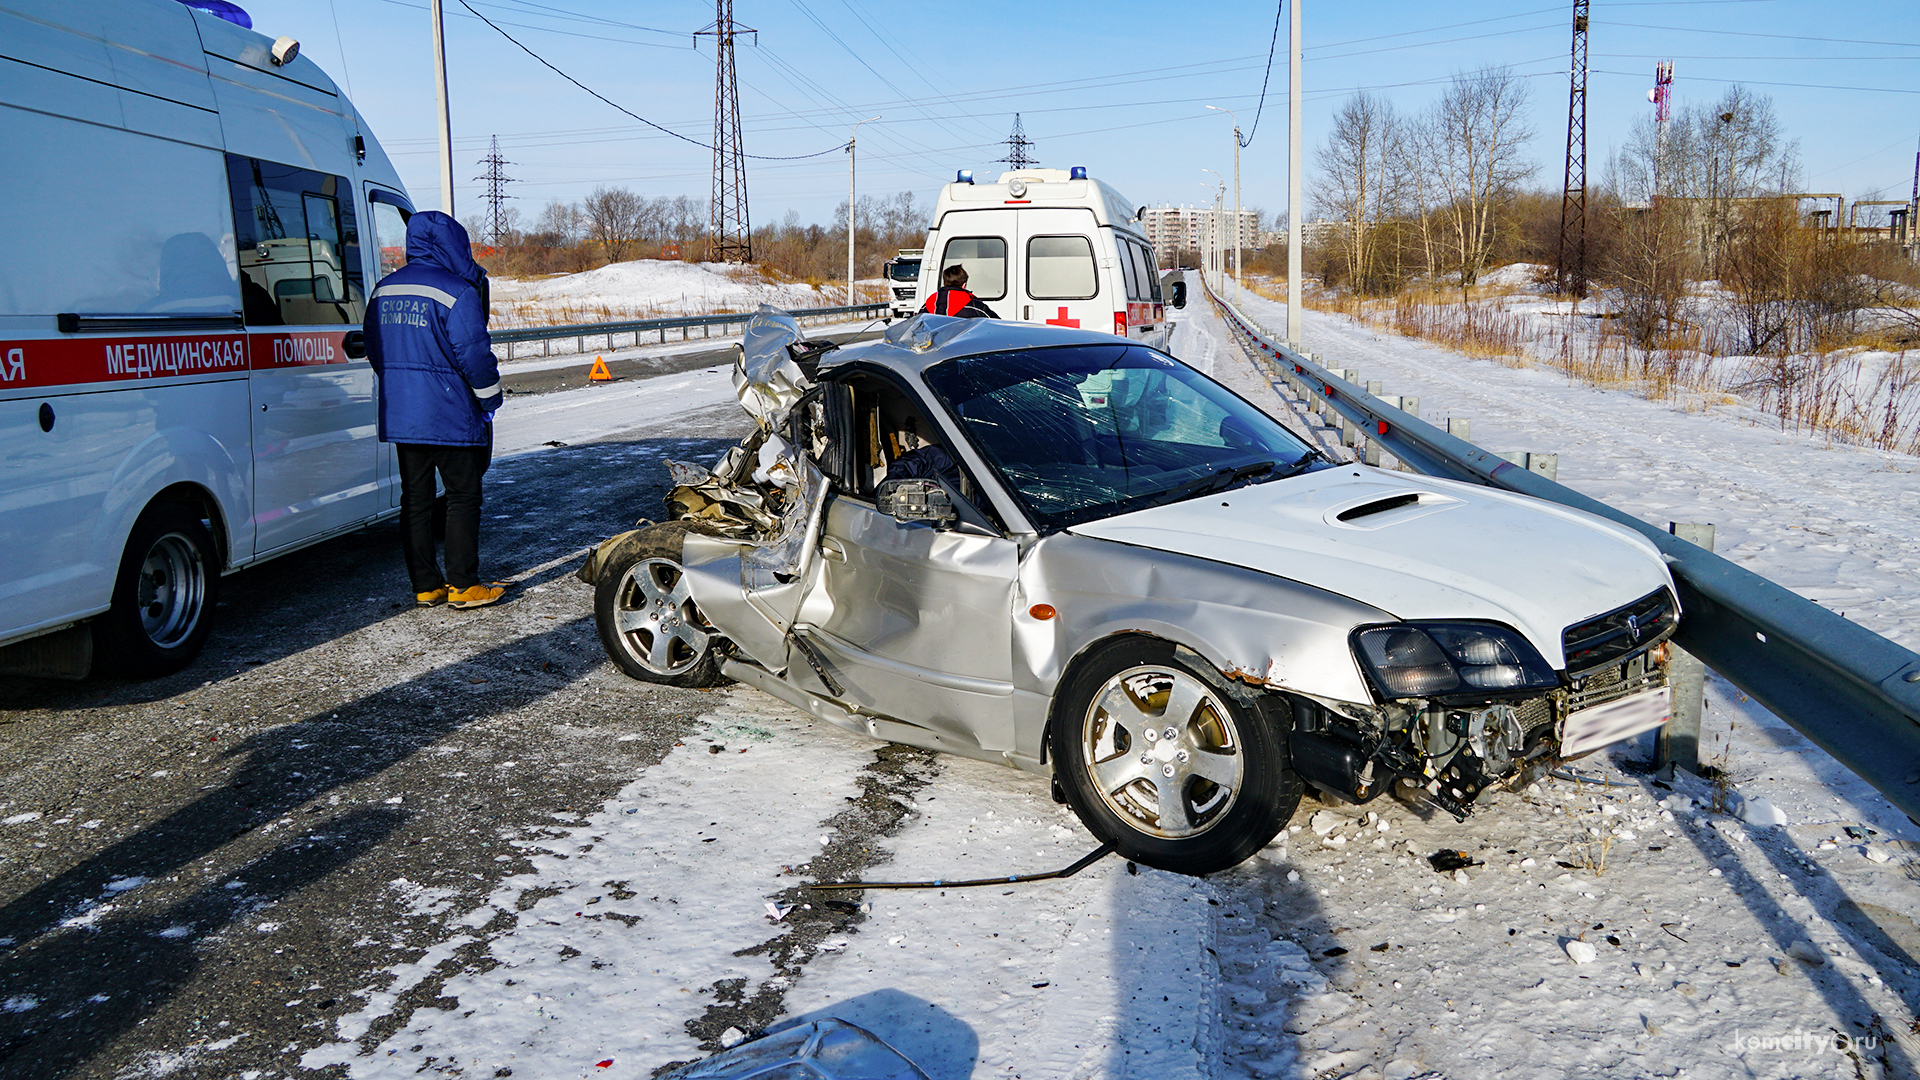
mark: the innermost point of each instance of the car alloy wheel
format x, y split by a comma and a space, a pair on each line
1173, 765
656, 617
1163, 750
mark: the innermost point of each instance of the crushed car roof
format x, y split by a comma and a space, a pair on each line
925, 340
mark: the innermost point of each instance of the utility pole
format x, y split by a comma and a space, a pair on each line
1019, 147
729, 230
1237, 224
496, 196
1217, 268
446, 120
1294, 181
851, 139
1573, 199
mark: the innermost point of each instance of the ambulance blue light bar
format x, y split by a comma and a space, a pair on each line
1078, 172
965, 176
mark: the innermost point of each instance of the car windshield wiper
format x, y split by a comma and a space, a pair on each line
1302, 464
1215, 481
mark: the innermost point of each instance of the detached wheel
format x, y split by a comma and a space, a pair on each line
648, 621
163, 596
1159, 760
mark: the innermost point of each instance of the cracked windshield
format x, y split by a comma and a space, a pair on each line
1088, 432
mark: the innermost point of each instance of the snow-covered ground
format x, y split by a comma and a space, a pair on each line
1621, 931
648, 288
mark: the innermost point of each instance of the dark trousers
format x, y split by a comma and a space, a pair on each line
460, 469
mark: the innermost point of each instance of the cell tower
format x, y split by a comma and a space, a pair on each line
1019, 147
496, 229
1662, 97
729, 231
1573, 200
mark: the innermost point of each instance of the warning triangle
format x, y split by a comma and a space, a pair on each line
599, 373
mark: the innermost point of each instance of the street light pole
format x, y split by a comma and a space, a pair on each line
1294, 181
850, 141
1217, 266
446, 121
1236, 200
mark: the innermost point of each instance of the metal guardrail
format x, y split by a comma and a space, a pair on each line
686, 324
1850, 691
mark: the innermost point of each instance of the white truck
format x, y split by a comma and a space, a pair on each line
191, 216
1050, 246
903, 277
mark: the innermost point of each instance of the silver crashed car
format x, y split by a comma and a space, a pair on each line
1076, 555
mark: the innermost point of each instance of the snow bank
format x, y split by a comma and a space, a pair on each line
645, 288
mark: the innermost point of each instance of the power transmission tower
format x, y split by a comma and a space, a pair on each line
1018, 147
496, 230
1573, 200
729, 232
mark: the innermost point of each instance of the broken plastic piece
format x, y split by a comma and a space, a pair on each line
1446, 861
829, 1049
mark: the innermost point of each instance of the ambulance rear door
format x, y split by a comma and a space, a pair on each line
1066, 269
982, 241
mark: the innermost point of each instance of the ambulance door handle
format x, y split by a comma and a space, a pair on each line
355, 346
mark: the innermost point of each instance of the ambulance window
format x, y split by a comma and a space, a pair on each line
1061, 268
299, 245
985, 260
1128, 269
389, 237
1152, 266
1143, 266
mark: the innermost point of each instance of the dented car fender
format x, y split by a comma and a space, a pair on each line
1252, 627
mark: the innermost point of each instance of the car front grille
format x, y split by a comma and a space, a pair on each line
1608, 684
900, 293
1605, 639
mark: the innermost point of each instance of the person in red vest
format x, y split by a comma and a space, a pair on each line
952, 297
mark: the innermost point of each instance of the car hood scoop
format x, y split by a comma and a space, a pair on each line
1416, 546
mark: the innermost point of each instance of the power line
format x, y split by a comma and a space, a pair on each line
1778, 37
1763, 82
1272, 42
663, 130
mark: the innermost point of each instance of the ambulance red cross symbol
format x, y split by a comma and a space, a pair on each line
1062, 320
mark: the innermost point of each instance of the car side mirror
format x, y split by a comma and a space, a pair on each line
914, 499
1179, 294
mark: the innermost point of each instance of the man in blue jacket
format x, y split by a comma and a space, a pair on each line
426, 333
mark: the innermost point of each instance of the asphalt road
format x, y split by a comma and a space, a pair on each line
212, 852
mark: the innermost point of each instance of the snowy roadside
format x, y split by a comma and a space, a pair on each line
1712, 912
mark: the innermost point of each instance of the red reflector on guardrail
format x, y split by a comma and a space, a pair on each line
1385, 427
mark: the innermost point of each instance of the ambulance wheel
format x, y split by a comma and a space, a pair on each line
162, 598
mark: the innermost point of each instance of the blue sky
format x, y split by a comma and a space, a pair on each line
1119, 86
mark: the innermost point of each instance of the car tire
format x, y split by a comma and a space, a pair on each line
1204, 799
163, 596
642, 588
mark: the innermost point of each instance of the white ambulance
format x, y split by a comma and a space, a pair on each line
191, 216
1049, 246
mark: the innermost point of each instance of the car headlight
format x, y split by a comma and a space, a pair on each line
1432, 659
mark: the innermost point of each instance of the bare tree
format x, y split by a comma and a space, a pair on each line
613, 220
1479, 141
1356, 177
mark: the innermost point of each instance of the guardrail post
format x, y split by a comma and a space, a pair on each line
1677, 744
1547, 465
1460, 427
1376, 388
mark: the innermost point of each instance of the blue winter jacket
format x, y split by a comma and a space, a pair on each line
426, 334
